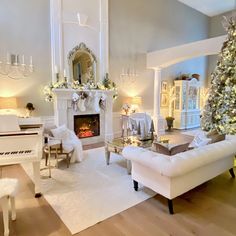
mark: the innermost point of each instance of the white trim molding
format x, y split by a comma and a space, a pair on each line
170, 56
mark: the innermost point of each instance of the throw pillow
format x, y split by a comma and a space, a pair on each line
160, 148
199, 141
163, 149
215, 136
211, 133
47, 130
179, 148
61, 132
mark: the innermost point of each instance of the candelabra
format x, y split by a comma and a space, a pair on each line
58, 76
15, 69
129, 74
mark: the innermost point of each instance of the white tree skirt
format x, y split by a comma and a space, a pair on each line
89, 192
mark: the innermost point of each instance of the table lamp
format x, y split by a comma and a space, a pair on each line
8, 103
135, 103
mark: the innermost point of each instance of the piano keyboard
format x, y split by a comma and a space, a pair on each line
23, 152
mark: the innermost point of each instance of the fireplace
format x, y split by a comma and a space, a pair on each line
87, 126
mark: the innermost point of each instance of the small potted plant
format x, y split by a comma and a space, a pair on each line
30, 108
169, 121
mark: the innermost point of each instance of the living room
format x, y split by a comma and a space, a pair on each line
81, 80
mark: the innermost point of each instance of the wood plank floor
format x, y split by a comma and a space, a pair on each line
207, 210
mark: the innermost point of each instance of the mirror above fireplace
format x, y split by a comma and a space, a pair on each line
82, 64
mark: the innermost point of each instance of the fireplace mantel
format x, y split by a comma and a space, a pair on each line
68, 92
64, 113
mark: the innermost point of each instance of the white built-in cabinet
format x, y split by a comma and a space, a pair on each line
186, 104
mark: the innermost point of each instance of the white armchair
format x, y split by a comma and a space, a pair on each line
69, 141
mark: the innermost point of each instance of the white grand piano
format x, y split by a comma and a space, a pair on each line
19, 146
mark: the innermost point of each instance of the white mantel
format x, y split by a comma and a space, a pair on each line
64, 113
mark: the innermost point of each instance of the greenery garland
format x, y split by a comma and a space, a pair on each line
105, 84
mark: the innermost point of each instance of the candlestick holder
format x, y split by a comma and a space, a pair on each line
57, 77
15, 68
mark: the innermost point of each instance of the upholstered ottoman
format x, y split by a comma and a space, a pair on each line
8, 190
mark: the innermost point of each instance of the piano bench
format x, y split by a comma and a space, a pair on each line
8, 190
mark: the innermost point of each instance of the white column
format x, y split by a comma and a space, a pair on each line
57, 45
104, 39
159, 122
109, 135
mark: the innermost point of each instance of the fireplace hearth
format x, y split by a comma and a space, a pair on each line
87, 126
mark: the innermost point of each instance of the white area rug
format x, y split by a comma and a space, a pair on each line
89, 192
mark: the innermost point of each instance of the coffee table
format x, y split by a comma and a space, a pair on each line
117, 145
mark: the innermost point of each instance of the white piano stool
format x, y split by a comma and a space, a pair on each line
8, 190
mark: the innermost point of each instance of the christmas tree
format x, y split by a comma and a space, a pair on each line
220, 110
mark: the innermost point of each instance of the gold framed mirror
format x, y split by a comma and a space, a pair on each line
82, 64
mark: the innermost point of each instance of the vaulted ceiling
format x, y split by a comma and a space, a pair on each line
211, 7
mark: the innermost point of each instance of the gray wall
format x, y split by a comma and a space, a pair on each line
215, 29
25, 29
141, 26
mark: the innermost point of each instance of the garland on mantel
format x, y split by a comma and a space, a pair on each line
106, 84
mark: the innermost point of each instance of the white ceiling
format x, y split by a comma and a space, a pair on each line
210, 7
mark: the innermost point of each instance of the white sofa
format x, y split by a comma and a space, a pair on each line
172, 176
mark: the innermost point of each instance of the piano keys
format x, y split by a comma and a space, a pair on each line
20, 147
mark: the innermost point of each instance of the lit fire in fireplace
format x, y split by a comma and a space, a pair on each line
85, 131
87, 126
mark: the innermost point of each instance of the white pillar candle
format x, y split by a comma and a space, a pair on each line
31, 61
8, 58
55, 69
23, 60
64, 73
16, 61
123, 72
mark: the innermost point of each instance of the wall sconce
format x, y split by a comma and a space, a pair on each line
14, 69
129, 74
82, 19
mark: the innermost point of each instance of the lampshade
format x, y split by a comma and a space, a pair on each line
8, 103
136, 101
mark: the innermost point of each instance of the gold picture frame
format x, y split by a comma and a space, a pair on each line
164, 86
164, 100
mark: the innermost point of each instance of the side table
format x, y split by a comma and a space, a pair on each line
125, 124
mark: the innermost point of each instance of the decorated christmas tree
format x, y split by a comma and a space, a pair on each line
220, 110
